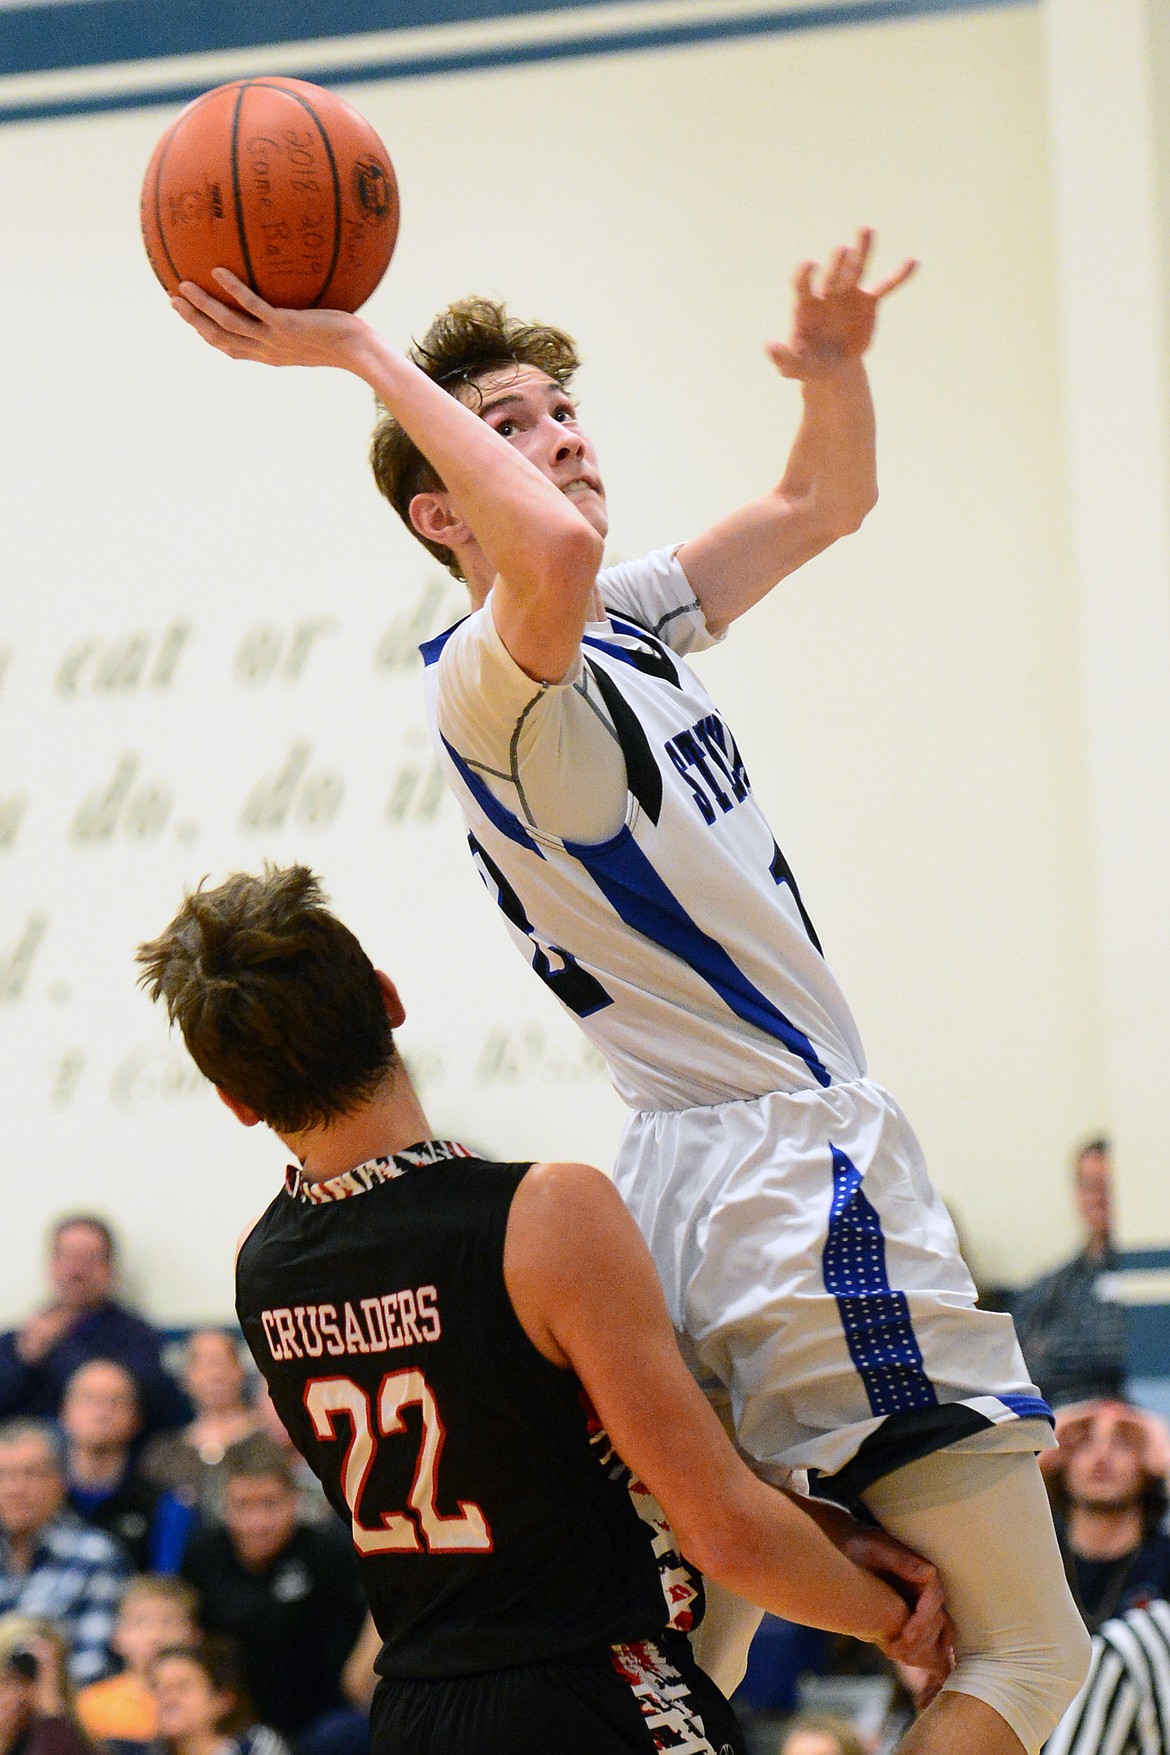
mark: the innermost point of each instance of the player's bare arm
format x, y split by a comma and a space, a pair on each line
830, 479
533, 536
585, 1289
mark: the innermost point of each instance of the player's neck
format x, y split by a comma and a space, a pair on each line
391, 1120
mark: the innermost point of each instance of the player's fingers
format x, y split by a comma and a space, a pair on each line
225, 316
802, 280
895, 280
243, 294
784, 360
863, 247
931, 1604
928, 1622
839, 272
904, 1563
237, 346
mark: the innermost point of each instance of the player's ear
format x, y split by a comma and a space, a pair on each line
240, 1110
432, 516
395, 1010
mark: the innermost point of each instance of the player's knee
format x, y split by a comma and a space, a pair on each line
1031, 1685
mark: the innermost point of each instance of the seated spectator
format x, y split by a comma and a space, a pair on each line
812, 1734
37, 1715
1073, 1336
189, 1462
1124, 1706
99, 1420
288, 1592
155, 1613
82, 1322
1108, 1487
51, 1562
313, 1505
201, 1707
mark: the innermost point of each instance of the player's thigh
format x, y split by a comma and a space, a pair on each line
984, 1522
631, 1700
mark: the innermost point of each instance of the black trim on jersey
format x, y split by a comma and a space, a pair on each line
900, 1439
649, 656
643, 776
782, 874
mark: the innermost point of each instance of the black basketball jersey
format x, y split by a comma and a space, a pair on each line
494, 1524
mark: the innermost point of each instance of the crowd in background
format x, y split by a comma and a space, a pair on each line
173, 1580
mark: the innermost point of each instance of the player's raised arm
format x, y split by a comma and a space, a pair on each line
584, 1287
533, 536
830, 478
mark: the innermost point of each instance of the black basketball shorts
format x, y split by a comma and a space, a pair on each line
620, 1700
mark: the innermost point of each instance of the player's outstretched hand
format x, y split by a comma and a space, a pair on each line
834, 323
264, 332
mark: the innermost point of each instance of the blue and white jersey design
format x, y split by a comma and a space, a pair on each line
811, 1271
814, 1277
679, 941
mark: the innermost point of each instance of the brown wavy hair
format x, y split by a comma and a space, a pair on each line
277, 1001
469, 339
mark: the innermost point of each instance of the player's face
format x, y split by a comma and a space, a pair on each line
530, 410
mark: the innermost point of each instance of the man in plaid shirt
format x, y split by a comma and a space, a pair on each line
52, 1564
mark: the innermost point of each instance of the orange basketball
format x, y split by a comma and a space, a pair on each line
280, 181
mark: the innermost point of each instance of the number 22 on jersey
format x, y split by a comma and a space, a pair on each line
329, 1398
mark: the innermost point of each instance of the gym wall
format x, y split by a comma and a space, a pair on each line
208, 617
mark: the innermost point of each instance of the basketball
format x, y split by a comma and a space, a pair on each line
280, 181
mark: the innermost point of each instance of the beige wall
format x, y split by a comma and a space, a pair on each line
909, 706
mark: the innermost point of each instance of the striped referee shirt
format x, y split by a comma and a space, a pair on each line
1124, 1706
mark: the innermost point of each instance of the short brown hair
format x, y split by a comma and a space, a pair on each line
91, 1222
260, 1458
278, 1004
163, 1587
467, 340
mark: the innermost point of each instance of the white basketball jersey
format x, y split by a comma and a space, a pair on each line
680, 944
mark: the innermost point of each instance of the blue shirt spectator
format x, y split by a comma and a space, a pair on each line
84, 1322
51, 1564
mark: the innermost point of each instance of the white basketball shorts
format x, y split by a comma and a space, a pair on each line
814, 1278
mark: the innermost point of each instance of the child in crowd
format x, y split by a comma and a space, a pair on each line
156, 1613
813, 1734
37, 1708
201, 1705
